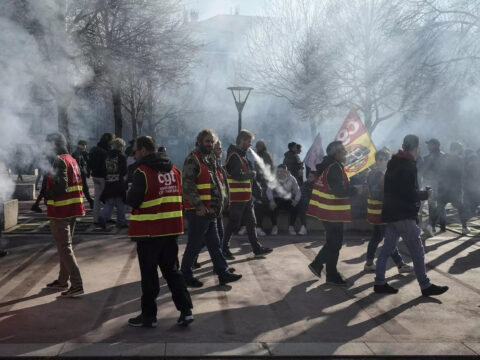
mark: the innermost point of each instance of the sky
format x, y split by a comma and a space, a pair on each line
210, 8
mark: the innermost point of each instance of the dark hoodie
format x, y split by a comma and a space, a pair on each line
96, 160
401, 192
234, 165
156, 161
335, 177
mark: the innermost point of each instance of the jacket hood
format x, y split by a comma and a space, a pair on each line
403, 154
157, 161
234, 148
327, 161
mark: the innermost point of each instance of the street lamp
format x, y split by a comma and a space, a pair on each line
238, 101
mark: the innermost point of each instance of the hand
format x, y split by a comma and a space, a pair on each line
201, 212
430, 193
272, 205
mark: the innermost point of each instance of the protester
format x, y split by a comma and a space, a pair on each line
240, 176
306, 191
114, 194
293, 162
203, 201
400, 211
64, 205
81, 156
285, 195
155, 192
98, 169
330, 203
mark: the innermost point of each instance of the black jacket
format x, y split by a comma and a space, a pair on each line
156, 161
335, 177
116, 170
401, 197
96, 160
82, 161
293, 162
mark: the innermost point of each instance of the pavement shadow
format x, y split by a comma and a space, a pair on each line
465, 263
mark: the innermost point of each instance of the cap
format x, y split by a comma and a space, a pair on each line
433, 142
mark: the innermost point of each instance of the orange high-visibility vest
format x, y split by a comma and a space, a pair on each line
70, 204
160, 213
324, 205
240, 190
374, 208
204, 186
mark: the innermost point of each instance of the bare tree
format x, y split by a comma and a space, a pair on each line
128, 42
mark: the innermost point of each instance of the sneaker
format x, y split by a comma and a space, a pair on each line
369, 267
263, 251
3, 253
141, 321
429, 231
242, 231
73, 292
36, 208
102, 223
434, 290
291, 230
405, 268
228, 277
303, 230
227, 254
186, 318
465, 230
336, 280
315, 270
443, 227
196, 265
384, 289
193, 282
260, 232
274, 230
56, 285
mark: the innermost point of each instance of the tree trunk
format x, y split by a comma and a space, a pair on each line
134, 126
63, 123
117, 112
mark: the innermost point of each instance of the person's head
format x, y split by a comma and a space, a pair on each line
56, 143
162, 149
456, 148
282, 171
118, 144
205, 140
82, 145
292, 146
298, 148
260, 146
244, 139
381, 158
311, 176
411, 144
336, 150
217, 149
107, 138
144, 145
433, 146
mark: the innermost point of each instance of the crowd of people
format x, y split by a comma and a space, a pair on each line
161, 196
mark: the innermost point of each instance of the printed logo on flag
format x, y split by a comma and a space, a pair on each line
357, 142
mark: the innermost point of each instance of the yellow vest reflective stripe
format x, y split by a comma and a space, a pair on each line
160, 201
65, 202
158, 216
329, 207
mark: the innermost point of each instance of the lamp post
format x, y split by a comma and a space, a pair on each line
239, 102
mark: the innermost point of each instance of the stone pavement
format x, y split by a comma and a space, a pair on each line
278, 309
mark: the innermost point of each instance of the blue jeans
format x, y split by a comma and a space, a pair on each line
202, 230
108, 210
410, 233
377, 237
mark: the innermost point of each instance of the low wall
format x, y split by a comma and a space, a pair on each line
24, 192
9, 213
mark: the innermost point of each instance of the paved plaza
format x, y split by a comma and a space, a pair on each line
278, 309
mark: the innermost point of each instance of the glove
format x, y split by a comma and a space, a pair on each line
272, 205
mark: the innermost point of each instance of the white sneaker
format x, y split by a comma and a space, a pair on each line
369, 268
260, 232
242, 231
291, 230
274, 230
303, 231
405, 268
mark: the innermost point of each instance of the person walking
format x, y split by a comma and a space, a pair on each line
203, 201
306, 191
81, 156
374, 213
96, 163
156, 221
240, 176
401, 204
64, 204
330, 203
